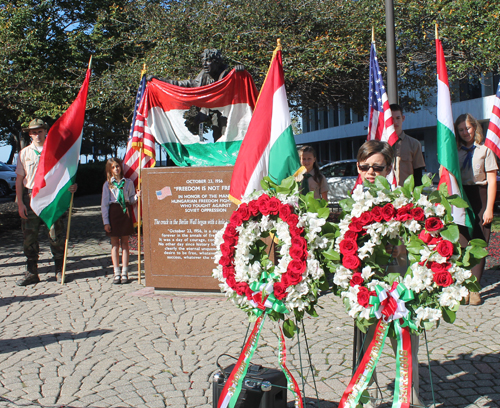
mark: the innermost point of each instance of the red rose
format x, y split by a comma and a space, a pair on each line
296, 266
298, 252
428, 238
230, 231
249, 293
298, 241
225, 260
356, 279
389, 306
351, 262
290, 278
227, 249
236, 218
443, 278
292, 219
366, 218
285, 211
388, 212
356, 225
279, 290
377, 214
417, 213
296, 232
364, 296
241, 288
351, 235
273, 205
437, 267
227, 271
348, 247
263, 201
231, 282
253, 208
433, 224
403, 214
445, 248
244, 211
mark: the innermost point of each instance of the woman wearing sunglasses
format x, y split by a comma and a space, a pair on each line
375, 158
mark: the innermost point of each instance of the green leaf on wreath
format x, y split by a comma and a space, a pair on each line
457, 201
451, 233
443, 189
466, 258
313, 205
428, 325
310, 311
409, 183
478, 252
478, 243
323, 213
426, 181
323, 284
299, 315
417, 192
289, 328
446, 205
382, 183
332, 255
448, 315
392, 277
434, 197
346, 204
473, 286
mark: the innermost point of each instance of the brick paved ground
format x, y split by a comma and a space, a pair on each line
93, 344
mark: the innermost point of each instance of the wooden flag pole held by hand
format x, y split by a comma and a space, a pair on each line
67, 239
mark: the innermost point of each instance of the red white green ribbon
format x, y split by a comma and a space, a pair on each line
291, 383
389, 307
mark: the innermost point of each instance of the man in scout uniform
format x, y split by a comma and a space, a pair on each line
27, 163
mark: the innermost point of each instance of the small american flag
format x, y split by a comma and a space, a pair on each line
493, 135
163, 193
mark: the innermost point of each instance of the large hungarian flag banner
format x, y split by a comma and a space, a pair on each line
446, 142
161, 117
269, 146
58, 164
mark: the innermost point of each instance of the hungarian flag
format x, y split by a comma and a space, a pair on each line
493, 135
446, 142
269, 146
58, 164
166, 114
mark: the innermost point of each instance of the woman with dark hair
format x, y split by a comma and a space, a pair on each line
478, 167
375, 158
315, 180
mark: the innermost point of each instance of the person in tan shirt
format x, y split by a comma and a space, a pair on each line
409, 159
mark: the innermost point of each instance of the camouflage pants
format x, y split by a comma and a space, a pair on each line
31, 227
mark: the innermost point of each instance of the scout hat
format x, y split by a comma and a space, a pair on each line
36, 124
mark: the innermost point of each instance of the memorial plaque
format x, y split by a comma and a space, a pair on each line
183, 208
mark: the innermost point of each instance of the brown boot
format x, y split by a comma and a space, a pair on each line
31, 274
475, 299
59, 267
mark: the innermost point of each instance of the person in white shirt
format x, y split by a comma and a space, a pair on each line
118, 195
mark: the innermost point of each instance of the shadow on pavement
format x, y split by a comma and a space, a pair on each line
12, 299
26, 343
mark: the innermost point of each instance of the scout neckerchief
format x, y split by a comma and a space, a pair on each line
305, 183
120, 198
468, 158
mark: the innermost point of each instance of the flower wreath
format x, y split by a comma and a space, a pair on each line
247, 275
438, 276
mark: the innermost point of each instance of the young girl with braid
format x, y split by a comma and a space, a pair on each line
315, 180
118, 195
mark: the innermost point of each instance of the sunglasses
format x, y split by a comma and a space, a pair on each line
366, 167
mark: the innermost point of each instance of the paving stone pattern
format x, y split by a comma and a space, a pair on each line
93, 344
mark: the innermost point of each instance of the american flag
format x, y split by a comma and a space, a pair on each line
493, 135
163, 193
380, 125
132, 158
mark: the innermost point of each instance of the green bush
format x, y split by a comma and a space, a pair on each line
90, 177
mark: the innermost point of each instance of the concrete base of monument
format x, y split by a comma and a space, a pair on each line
183, 209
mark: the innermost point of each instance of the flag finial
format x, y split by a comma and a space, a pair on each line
436, 28
373, 34
90, 62
143, 70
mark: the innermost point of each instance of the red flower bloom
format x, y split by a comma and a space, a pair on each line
298, 241
273, 205
351, 235
433, 224
356, 279
227, 271
445, 248
227, 249
236, 218
244, 211
231, 282
241, 288
443, 279
249, 293
351, 262
417, 213
377, 214
403, 214
438, 268
291, 278
296, 232
285, 211
364, 296
279, 290
263, 201
298, 252
356, 225
253, 208
225, 260
366, 218
428, 238
388, 212
348, 247
292, 220
296, 266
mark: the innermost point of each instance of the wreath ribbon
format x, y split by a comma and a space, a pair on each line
389, 307
263, 305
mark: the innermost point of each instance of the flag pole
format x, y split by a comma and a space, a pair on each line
436, 28
139, 218
63, 275
373, 34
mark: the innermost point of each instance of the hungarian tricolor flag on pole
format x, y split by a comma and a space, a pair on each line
446, 142
268, 148
59, 161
